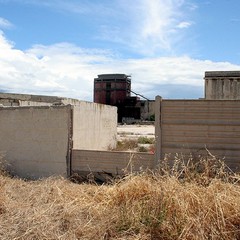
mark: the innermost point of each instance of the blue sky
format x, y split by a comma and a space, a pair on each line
57, 47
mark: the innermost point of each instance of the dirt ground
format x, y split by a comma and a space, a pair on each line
135, 131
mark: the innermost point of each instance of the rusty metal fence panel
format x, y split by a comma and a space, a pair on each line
192, 126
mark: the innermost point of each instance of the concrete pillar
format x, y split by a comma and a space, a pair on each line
158, 133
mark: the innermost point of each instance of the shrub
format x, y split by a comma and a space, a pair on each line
152, 117
146, 140
142, 149
127, 144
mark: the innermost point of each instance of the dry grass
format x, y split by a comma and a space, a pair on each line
169, 204
141, 144
126, 145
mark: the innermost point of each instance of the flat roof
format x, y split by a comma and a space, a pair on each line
113, 76
222, 74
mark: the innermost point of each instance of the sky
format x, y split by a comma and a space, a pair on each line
58, 47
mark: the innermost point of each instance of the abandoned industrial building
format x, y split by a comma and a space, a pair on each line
43, 136
115, 90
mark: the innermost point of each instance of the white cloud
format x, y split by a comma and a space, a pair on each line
66, 70
184, 24
78, 7
4, 23
148, 27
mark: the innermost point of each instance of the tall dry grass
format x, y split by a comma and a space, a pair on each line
168, 204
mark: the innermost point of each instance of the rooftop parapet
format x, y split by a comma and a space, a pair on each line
212, 74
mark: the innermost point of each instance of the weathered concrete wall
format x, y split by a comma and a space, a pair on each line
12, 99
192, 126
222, 85
33, 104
147, 109
117, 163
34, 140
94, 126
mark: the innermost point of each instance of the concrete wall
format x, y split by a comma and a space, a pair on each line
147, 109
34, 140
12, 99
192, 126
94, 126
117, 163
222, 85
9, 102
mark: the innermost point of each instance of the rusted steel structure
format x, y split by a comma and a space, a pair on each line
115, 90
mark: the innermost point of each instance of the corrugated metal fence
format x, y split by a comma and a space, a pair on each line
192, 126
